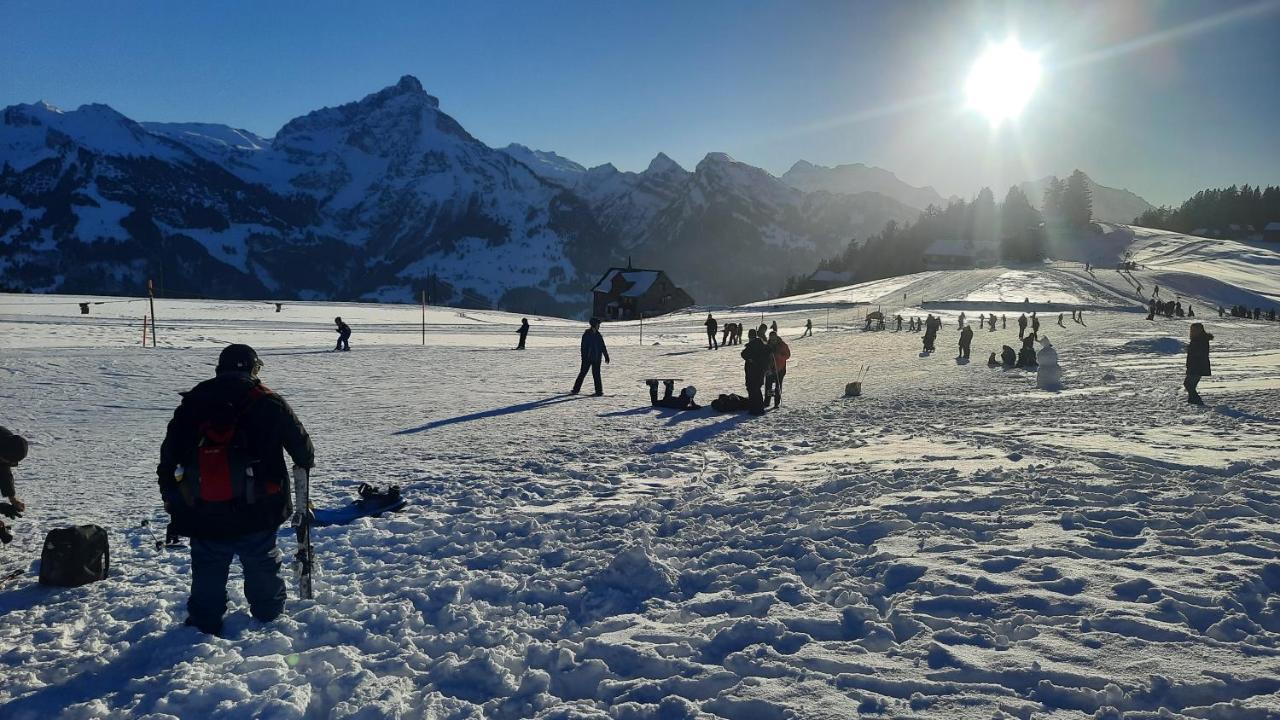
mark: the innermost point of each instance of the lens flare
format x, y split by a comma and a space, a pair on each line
1002, 80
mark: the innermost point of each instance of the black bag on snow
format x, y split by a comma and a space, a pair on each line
75, 556
731, 403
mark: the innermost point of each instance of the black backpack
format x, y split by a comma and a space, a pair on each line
75, 556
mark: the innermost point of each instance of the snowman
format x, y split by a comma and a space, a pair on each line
1049, 373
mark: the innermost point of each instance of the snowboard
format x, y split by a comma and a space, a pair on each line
370, 504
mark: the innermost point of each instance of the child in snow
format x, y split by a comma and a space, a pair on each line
683, 401
344, 334
13, 449
1197, 362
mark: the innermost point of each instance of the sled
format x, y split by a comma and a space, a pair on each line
372, 503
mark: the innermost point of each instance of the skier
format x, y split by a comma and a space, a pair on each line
523, 332
781, 352
966, 337
683, 401
13, 449
592, 350
344, 333
1197, 362
712, 327
229, 434
1022, 325
758, 360
808, 327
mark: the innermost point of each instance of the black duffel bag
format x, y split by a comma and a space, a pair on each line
75, 556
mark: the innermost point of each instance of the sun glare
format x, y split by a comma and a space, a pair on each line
1002, 81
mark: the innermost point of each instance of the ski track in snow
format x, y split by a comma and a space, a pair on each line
952, 544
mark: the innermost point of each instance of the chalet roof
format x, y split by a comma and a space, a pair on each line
641, 281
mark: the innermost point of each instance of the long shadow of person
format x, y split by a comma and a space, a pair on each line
496, 412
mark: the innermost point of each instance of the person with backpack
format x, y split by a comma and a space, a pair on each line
344, 334
712, 327
523, 332
592, 351
1197, 362
225, 485
781, 352
13, 450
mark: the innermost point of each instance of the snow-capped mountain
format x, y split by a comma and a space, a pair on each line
744, 228
1109, 204
380, 199
859, 178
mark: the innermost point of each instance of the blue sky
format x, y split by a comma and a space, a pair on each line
1162, 97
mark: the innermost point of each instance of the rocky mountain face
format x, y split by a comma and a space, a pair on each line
858, 178
379, 199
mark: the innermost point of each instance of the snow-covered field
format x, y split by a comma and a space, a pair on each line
952, 544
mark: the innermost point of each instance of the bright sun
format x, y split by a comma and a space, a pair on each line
1002, 81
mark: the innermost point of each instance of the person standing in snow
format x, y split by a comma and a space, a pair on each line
758, 361
344, 334
224, 484
966, 338
781, 352
724, 334
592, 350
523, 332
808, 327
1027, 356
1022, 325
961, 325
712, 327
773, 326
1197, 362
1004, 321
1035, 323
931, 325
13, 450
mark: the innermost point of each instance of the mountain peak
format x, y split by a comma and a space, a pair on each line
409, 83
407, 86
662, 163
717, 157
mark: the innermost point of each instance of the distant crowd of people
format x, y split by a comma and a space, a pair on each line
1240, 311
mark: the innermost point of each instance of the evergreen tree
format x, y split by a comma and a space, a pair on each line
1023, 239
1053, 199
1077, 201
984, 226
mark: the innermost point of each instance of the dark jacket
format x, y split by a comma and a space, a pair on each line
344, 329
265, 429
524, 329
712, 324
966, 335
593, 346
758, 356
1198, 355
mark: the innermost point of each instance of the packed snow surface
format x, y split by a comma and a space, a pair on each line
954, 543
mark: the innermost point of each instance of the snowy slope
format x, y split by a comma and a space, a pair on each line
952, 544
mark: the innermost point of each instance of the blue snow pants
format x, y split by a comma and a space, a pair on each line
210, 565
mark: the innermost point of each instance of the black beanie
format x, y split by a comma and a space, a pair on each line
13, 448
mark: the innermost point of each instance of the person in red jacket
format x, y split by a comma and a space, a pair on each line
781, 352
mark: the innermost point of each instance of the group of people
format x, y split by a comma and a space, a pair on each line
1240, 311
765, 365
1168, 308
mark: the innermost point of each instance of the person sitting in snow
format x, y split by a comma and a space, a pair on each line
1008, 358
993, 361
683, 401
13, 450
1027, 356
230, 434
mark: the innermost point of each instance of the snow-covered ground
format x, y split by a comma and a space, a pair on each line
952, 544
